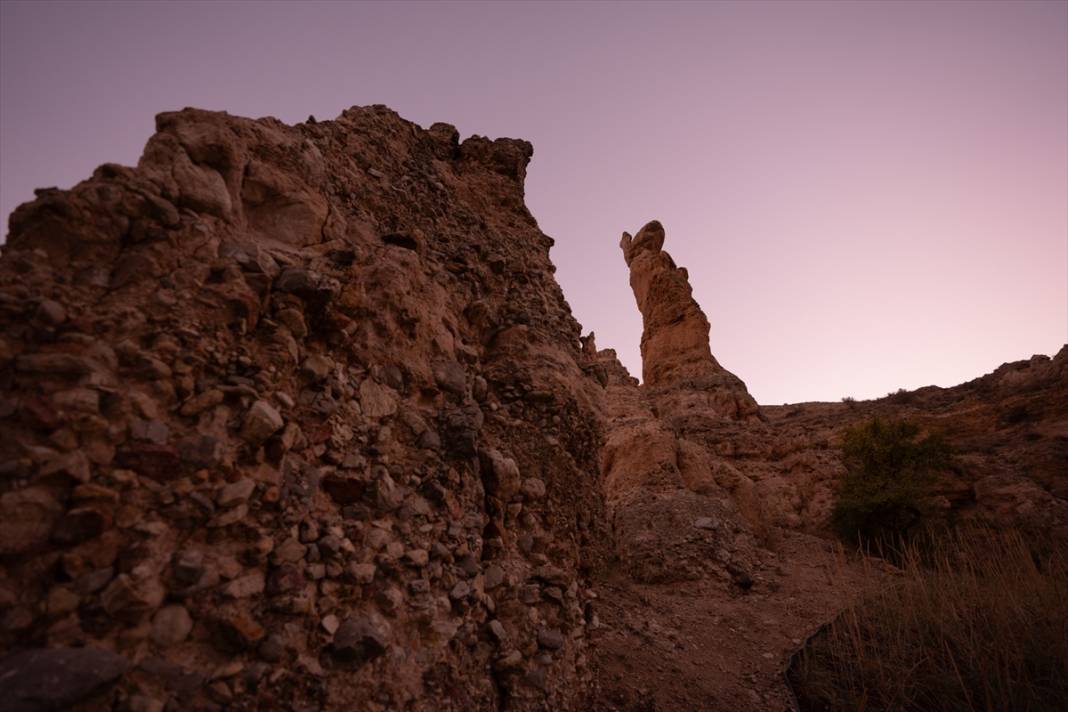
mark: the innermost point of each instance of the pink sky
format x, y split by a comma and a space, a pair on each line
867, 196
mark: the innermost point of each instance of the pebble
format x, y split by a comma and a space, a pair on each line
533, 488
245, 586
550, 639
360, 639
235, 492
171, 625
460, 591
363, 573
261, 422
417, 557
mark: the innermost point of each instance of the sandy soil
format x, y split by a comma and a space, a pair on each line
698, 646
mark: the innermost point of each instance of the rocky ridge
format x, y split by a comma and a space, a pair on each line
296, 417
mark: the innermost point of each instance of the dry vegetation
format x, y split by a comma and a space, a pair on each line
972, 620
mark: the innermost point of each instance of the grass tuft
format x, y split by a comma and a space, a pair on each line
971, 620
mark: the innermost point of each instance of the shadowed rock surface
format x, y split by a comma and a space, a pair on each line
55, 679
293, 417
297, 417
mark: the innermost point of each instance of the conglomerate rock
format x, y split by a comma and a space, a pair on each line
294, 418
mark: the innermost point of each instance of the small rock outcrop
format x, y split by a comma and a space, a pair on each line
675, 349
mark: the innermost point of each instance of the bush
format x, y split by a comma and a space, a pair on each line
972, 620
901, 397
888, 475
1015, 415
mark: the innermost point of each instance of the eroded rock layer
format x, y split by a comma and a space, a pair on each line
294, 418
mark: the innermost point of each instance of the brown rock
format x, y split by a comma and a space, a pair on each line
393, 281
236, 493
171, 625
57, 678
251, 585
27, 518
52, 364
81, 524
238, 630
376, 401
201, 402
129, 598
363, 573
361, 639
551, 639
533, 488
500, 474
158, 462
50, 313
674, 345
261, 422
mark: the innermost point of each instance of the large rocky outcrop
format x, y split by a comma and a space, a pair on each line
675, 349
294, 418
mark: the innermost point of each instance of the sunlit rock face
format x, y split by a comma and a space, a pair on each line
675, 349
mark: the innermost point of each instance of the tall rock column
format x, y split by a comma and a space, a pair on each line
675, 350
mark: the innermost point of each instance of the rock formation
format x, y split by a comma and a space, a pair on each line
293, 418
297, 417
675, 349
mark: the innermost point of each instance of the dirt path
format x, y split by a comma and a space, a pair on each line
697, 646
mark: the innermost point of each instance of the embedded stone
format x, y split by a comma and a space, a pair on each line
551, 638
236, 492
361, 639
171, 625
261, 422
533, 488
27, 518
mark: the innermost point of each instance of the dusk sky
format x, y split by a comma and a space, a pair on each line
867, 196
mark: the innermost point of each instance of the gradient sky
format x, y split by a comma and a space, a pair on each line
867, 196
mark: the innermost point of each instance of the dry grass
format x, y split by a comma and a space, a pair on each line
972, 620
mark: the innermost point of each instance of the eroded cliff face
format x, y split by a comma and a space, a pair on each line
294, 418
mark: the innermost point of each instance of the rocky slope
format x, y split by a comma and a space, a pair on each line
296, 417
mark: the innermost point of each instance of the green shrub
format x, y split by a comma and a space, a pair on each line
901, 397
1015, 415
888, 474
